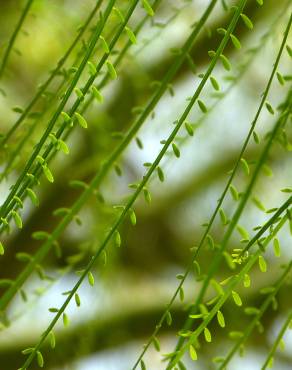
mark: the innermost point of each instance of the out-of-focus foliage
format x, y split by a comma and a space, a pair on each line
145, 155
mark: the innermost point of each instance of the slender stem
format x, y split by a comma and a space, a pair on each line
277, 341
241, 70
94, 39
127, 139
54, 73
236, 279
45, 248
248, 330
53, 99
89, 101
14, 35
216, 262
133, 198
12, 290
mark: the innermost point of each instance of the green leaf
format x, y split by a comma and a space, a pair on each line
181, 366
81, 120
118, 170
18, 201
214, 83
48, 173
139, 143
2, 250
168, 318
52, 339
197, 316
210, 242
90, 278
277, 247
133, 218
117, 238
193, 353
262, 264
242, 232
235, 334
147, 195
53, 309
131, 35
246, 281
267, 170
223, 217
269, 108
97, 94
17, 109
92, 69
245, 166
181, 294
31, 194
267, 290
220, 319
225, 62
79, 93
65, 319
77, 300
207, 335
40, 235
218, 288
235, 41
23, 257
189, 129
197, 268
111, 70
236, 298
234, 192
280, 78
63, 146
17, 219
66, 117
143, 366
175, 150
211, 53
104, 45
256, 137
40, 359
202, 106
286, 190
222, 31
251, 311
247, 21
259, 204
148, 8
160, 174
156, 344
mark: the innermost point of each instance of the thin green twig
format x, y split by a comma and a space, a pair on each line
277, 341
216, 262
101, 23
53, 74
14, 35
236, 279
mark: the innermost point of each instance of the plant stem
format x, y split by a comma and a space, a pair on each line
14, 35
277, 341
216, 262
94, 39
54, 73
236, 279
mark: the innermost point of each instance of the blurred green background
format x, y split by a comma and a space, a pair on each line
131, 291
